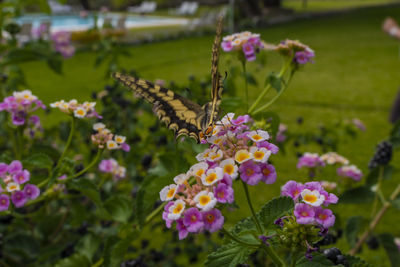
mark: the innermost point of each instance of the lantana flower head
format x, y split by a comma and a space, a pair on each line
15, 186
105, 138
111, 166
245, 42
334, 158
310, 160
301, 53
20, 106
235, 151
78, 110
350, 171
62, 43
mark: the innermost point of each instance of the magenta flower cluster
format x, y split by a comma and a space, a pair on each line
14, 185
111, 166
247, 42
62, 43
234, 151
301, 53
309, 199
20, 106
310, 160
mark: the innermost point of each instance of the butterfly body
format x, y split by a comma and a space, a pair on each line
180, 114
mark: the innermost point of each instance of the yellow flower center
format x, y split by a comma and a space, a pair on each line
242, 156
229, 169
249, 171
193, 218
199, 172
266, 171
257, 137
203, 200
211, 178
310, 198
81, 112
12, 187
304, 213
258, 155
171, 192
178, 208
322, 216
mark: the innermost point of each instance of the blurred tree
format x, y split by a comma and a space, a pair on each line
272, 3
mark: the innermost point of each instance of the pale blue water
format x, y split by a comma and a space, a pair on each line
75, 22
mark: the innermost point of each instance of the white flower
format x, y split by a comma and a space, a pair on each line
120, 139
181, 178
98, 126
112, 144
80, 112
260, 154
258, 136
13, 187
212, 176
313, 198
226, 120
216, 140
229, 167
168, 192
333, 157
215, 155
242, 156
205, 200
175, 211
199, 169
55, 104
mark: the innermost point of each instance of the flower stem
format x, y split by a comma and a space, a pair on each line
150, 217
375, 221
245, 83
378, 191
19, 142
236, 239
71, 133
274, 257
90, 165
246, 190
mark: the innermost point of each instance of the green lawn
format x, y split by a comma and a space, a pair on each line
325, 5
356, 74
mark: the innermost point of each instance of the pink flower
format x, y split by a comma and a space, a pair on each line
310, 160
250, 172
324, 217
19, 199
31, 191
224, 193
213, 220
193, 220
304, 213
226, 46
180, 226
21, 177
292, 189
268, 173
4, 202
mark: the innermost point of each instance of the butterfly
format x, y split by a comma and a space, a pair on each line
180, 114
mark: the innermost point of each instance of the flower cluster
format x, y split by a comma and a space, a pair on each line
104, 138
301, 53
310, 160
235, 151
111, 166
332, 158
309, 199
247, 42
14, 179
350, 171
84, 110
281, 134
20, 105
62, 43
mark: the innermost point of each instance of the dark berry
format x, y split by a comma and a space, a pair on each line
327, 240
83, 229
340, 259
373, 243
331, 254
145, 243
193, 259
339, 233
94, 95
162, 141
146, 161
299, 120
157, 256
68, 250
382, 156
319, 140
296, 144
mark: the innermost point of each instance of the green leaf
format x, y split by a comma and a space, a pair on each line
274, 209
396, 203
391, 248
270, 118
275, 81
358, 195
88, 246
119, 207
229, 255
317, 261
73, 261
372, 177
39, 160
355, 261
388, 171
247, 224
353, 227
115, 249
395, 135
89, 189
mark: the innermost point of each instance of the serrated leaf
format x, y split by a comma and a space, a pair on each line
229, 255
119, 207
353, 227
317, 261
274, 209
89, 189
275, 81
39, 160
88, 246
358, 195
391, 248
355, 261
245, 224
73, 261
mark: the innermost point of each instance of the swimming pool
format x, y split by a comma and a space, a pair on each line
78, 23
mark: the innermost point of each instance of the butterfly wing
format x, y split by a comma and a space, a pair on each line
177, 112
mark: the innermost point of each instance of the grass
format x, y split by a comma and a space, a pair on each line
325, 5
355, 75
